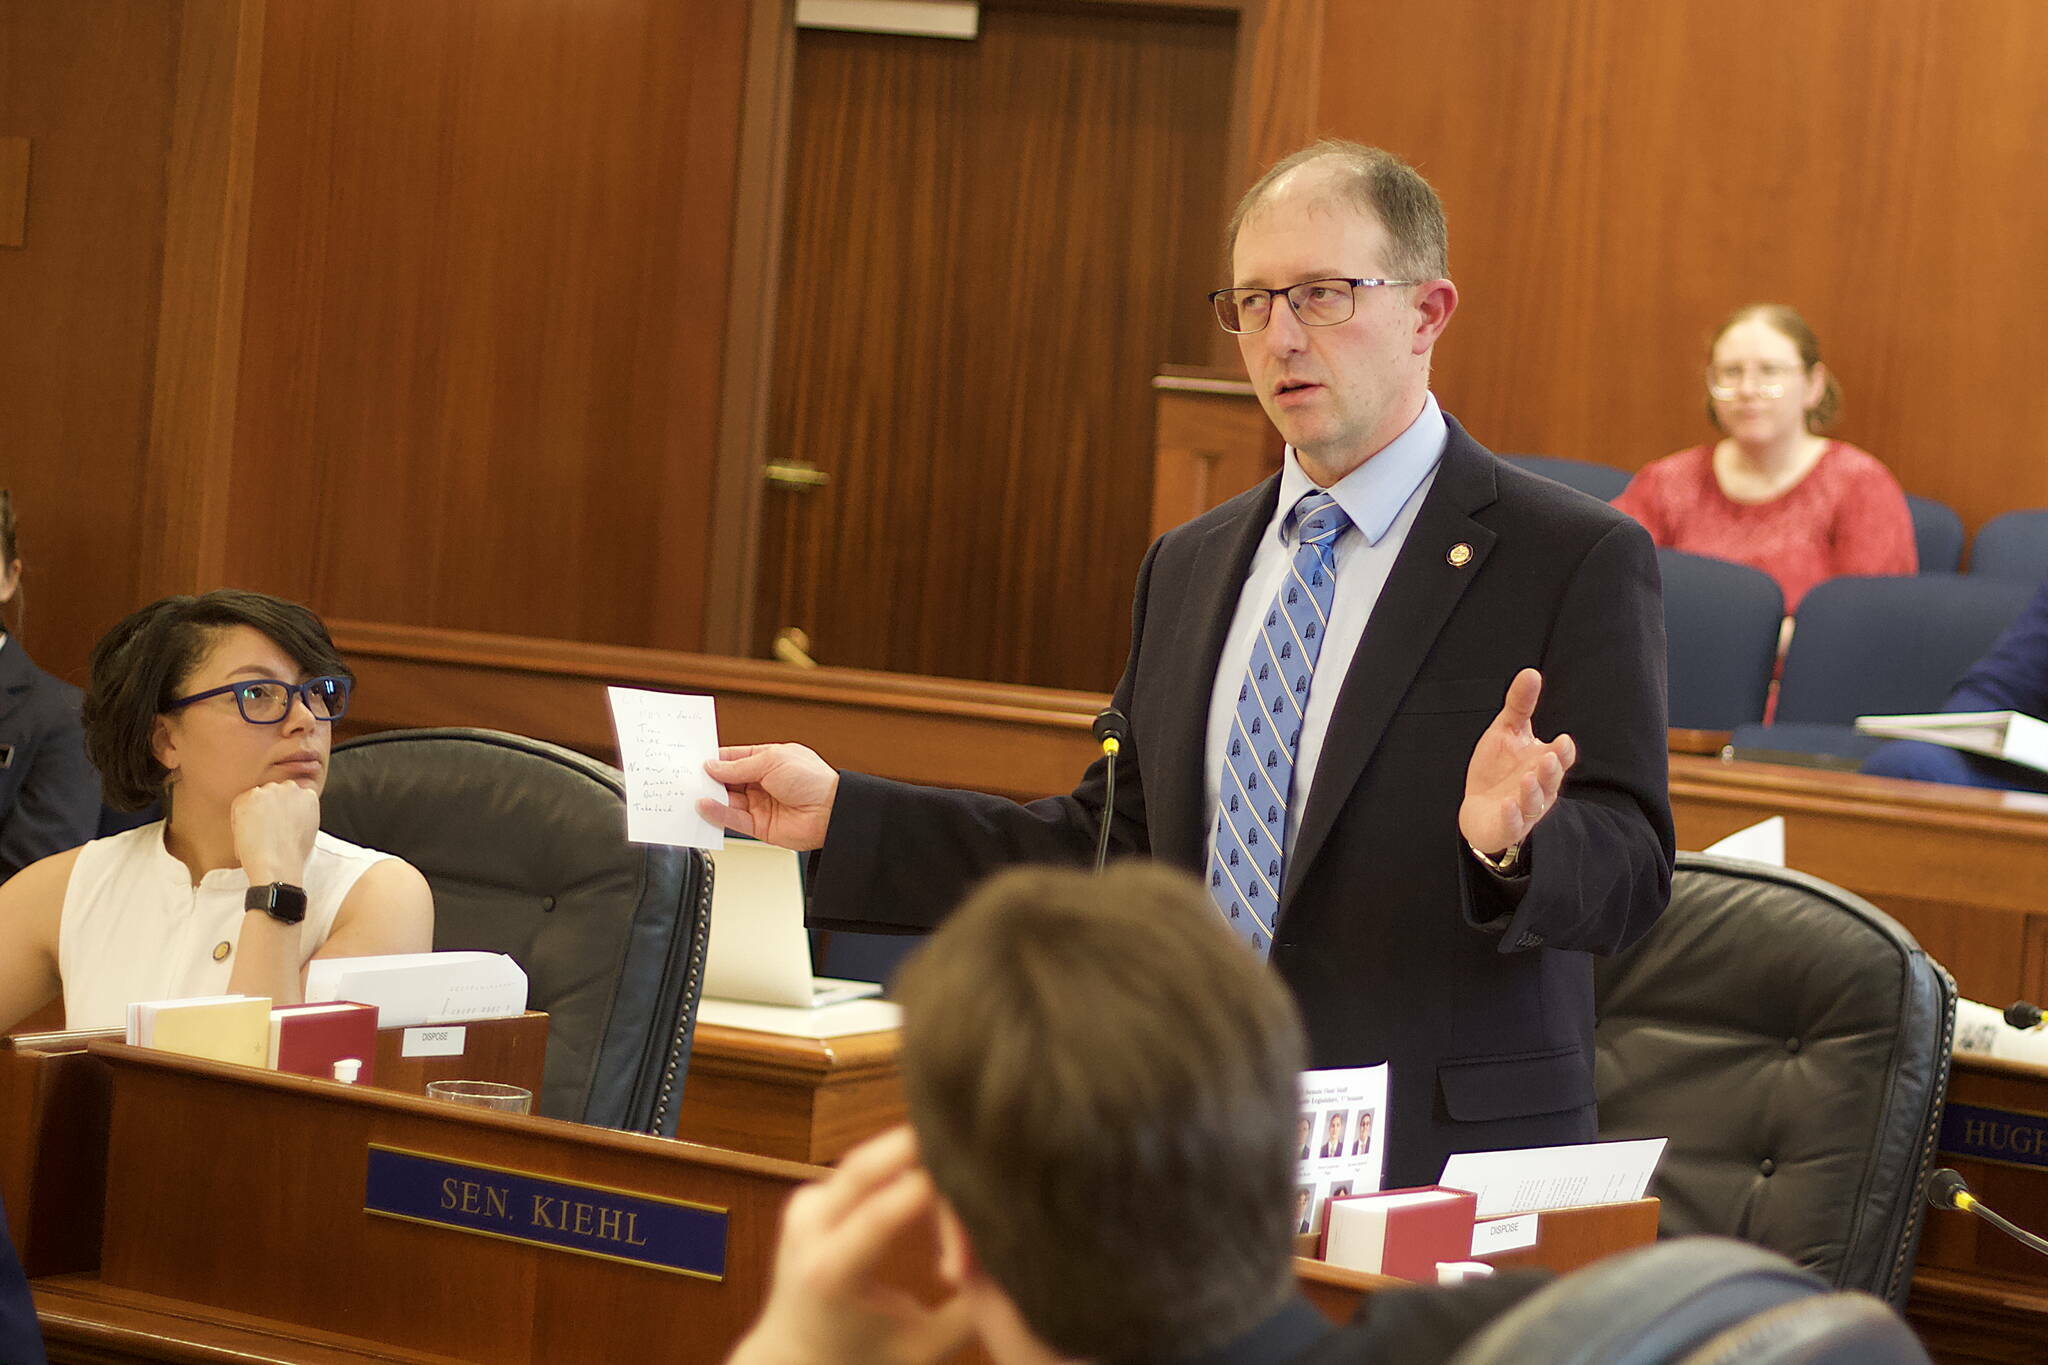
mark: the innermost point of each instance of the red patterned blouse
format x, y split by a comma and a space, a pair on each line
1847, 516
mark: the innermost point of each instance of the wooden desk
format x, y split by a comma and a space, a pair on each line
1978, 1296
234, 1216
1961, 868
54, 1107
797, 1099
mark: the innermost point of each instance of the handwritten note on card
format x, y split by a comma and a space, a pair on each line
664, 740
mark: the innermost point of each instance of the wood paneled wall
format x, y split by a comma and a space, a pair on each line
1620, 175
90, 84
489, 241
989, 255
411, 311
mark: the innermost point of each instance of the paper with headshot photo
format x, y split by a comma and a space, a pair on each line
665, 738
1342, 1134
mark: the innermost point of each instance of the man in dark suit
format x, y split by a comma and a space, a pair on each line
21, 1341
49, 793
1335, 692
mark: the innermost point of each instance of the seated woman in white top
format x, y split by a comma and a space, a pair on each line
222, 708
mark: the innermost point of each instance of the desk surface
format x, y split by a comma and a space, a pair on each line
1961, 868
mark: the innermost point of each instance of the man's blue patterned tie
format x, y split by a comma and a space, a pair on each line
1258, 755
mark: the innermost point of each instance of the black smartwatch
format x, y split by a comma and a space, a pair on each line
281, 901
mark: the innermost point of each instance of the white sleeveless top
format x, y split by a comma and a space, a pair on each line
136, 928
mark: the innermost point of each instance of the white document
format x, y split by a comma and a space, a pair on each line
1997, 734
1762, 842
1981, 1031
1343, 1136
798, 1021
410, 989
1555, 1177
665, 738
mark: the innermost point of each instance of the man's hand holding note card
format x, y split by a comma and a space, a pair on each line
664, 740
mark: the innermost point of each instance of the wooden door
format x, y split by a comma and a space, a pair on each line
989, 249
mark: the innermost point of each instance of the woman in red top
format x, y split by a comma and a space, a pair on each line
1773, 493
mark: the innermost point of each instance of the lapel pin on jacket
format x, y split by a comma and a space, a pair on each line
1460, 555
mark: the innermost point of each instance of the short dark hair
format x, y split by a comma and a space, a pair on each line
1377, 181
1784, 319
139, 666
10, 550
1105, 1086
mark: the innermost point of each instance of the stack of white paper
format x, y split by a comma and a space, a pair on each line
409, 989
1997, 734
1555, 1177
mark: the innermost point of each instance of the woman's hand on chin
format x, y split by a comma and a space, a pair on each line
274, 825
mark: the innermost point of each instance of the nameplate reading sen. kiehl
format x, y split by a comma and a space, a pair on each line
520, 1206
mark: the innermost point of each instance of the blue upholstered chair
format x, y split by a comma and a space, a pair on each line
2012, 547
1937, 534
1721, 624
1880, 646
1603, 481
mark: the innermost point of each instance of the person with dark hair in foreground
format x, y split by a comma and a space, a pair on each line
222, 709
1104, 1095
49, 795
1401, 706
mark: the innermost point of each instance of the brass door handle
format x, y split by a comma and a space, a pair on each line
793, 646
795, 476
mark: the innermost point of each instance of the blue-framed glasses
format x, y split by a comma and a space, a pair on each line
266, 701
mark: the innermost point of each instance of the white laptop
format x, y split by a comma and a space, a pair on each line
760, 951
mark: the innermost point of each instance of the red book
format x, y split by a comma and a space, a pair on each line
1403, 1233
308, 1040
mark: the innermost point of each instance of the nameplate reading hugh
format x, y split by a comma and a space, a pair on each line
519, 1206
2011, 1137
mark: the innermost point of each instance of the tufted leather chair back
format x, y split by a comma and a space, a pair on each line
1792, 1042
524, 844
1690, 1302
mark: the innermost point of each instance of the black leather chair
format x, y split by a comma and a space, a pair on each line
1792, 1042
524, 844
1650, 1306
1686, 1303
1833, 1329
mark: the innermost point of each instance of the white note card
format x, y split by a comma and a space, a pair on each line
664, 740
1555, 1177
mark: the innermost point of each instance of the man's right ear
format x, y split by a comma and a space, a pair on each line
959, 1267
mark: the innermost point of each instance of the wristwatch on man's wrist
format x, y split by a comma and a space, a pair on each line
1503, 866
281, 901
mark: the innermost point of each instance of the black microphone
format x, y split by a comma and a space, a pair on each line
2021, 1015
1946, 1190
1111, 731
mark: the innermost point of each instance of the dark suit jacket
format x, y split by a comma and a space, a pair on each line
1397, 945
21, 1341
49, 793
